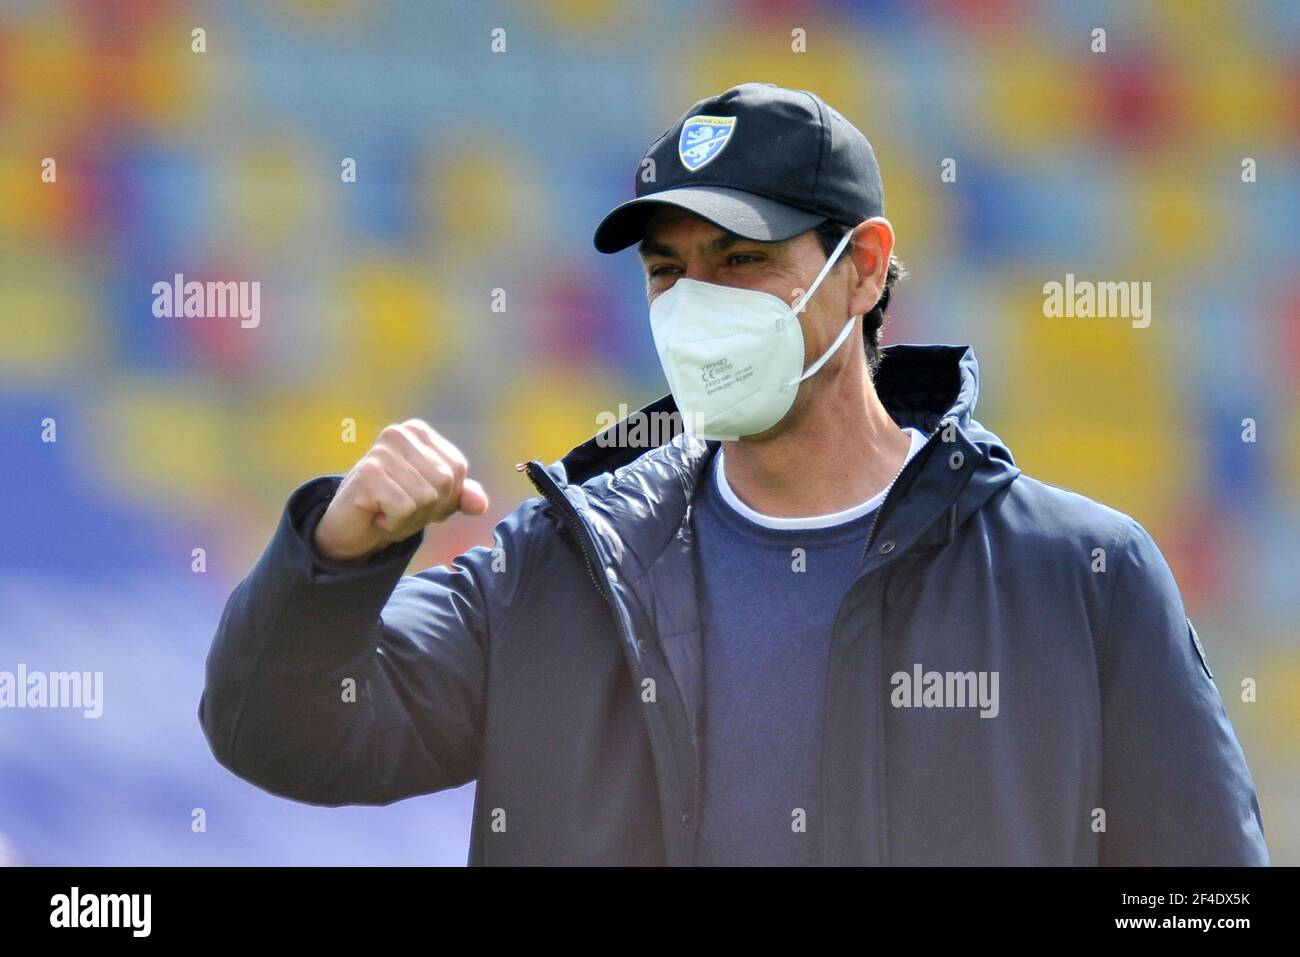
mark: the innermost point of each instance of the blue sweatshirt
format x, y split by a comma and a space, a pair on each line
772, 588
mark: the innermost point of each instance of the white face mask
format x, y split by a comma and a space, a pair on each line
733, 356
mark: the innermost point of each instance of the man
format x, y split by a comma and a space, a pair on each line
829, 623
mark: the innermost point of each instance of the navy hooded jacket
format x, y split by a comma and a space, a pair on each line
561, 668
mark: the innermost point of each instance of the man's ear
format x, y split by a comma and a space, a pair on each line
869, 251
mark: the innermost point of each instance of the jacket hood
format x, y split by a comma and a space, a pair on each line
921, 386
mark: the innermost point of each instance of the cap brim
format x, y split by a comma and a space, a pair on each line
745, 214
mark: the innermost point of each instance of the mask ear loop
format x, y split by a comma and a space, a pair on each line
830, 262
848, 326
839, 341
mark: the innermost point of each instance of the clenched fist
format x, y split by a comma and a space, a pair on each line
410, 477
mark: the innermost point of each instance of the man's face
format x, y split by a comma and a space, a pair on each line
678, 243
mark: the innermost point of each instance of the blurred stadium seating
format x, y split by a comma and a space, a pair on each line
479, 171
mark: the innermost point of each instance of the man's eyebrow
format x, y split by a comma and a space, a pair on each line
652, 247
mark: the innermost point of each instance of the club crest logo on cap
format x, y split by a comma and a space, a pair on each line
703, 138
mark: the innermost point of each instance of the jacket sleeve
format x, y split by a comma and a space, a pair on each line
1176, 789
345, 682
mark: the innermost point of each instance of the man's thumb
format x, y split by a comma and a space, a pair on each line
473, 500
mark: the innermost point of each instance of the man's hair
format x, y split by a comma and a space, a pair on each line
829, 234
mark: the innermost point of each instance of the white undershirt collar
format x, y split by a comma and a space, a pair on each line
806, 521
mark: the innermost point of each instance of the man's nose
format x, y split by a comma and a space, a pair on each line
702, 271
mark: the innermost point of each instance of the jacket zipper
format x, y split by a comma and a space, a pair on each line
550, 491
572, 520
871, 532
866, 550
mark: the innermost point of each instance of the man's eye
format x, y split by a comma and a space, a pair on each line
741, 259
660, 270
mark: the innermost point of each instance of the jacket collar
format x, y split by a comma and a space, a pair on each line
919, 385
617, 479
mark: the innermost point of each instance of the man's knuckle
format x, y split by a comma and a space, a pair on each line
381, 458
370, 467
444, 474
426, 495
459, 465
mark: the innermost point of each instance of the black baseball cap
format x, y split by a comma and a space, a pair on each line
759, 160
